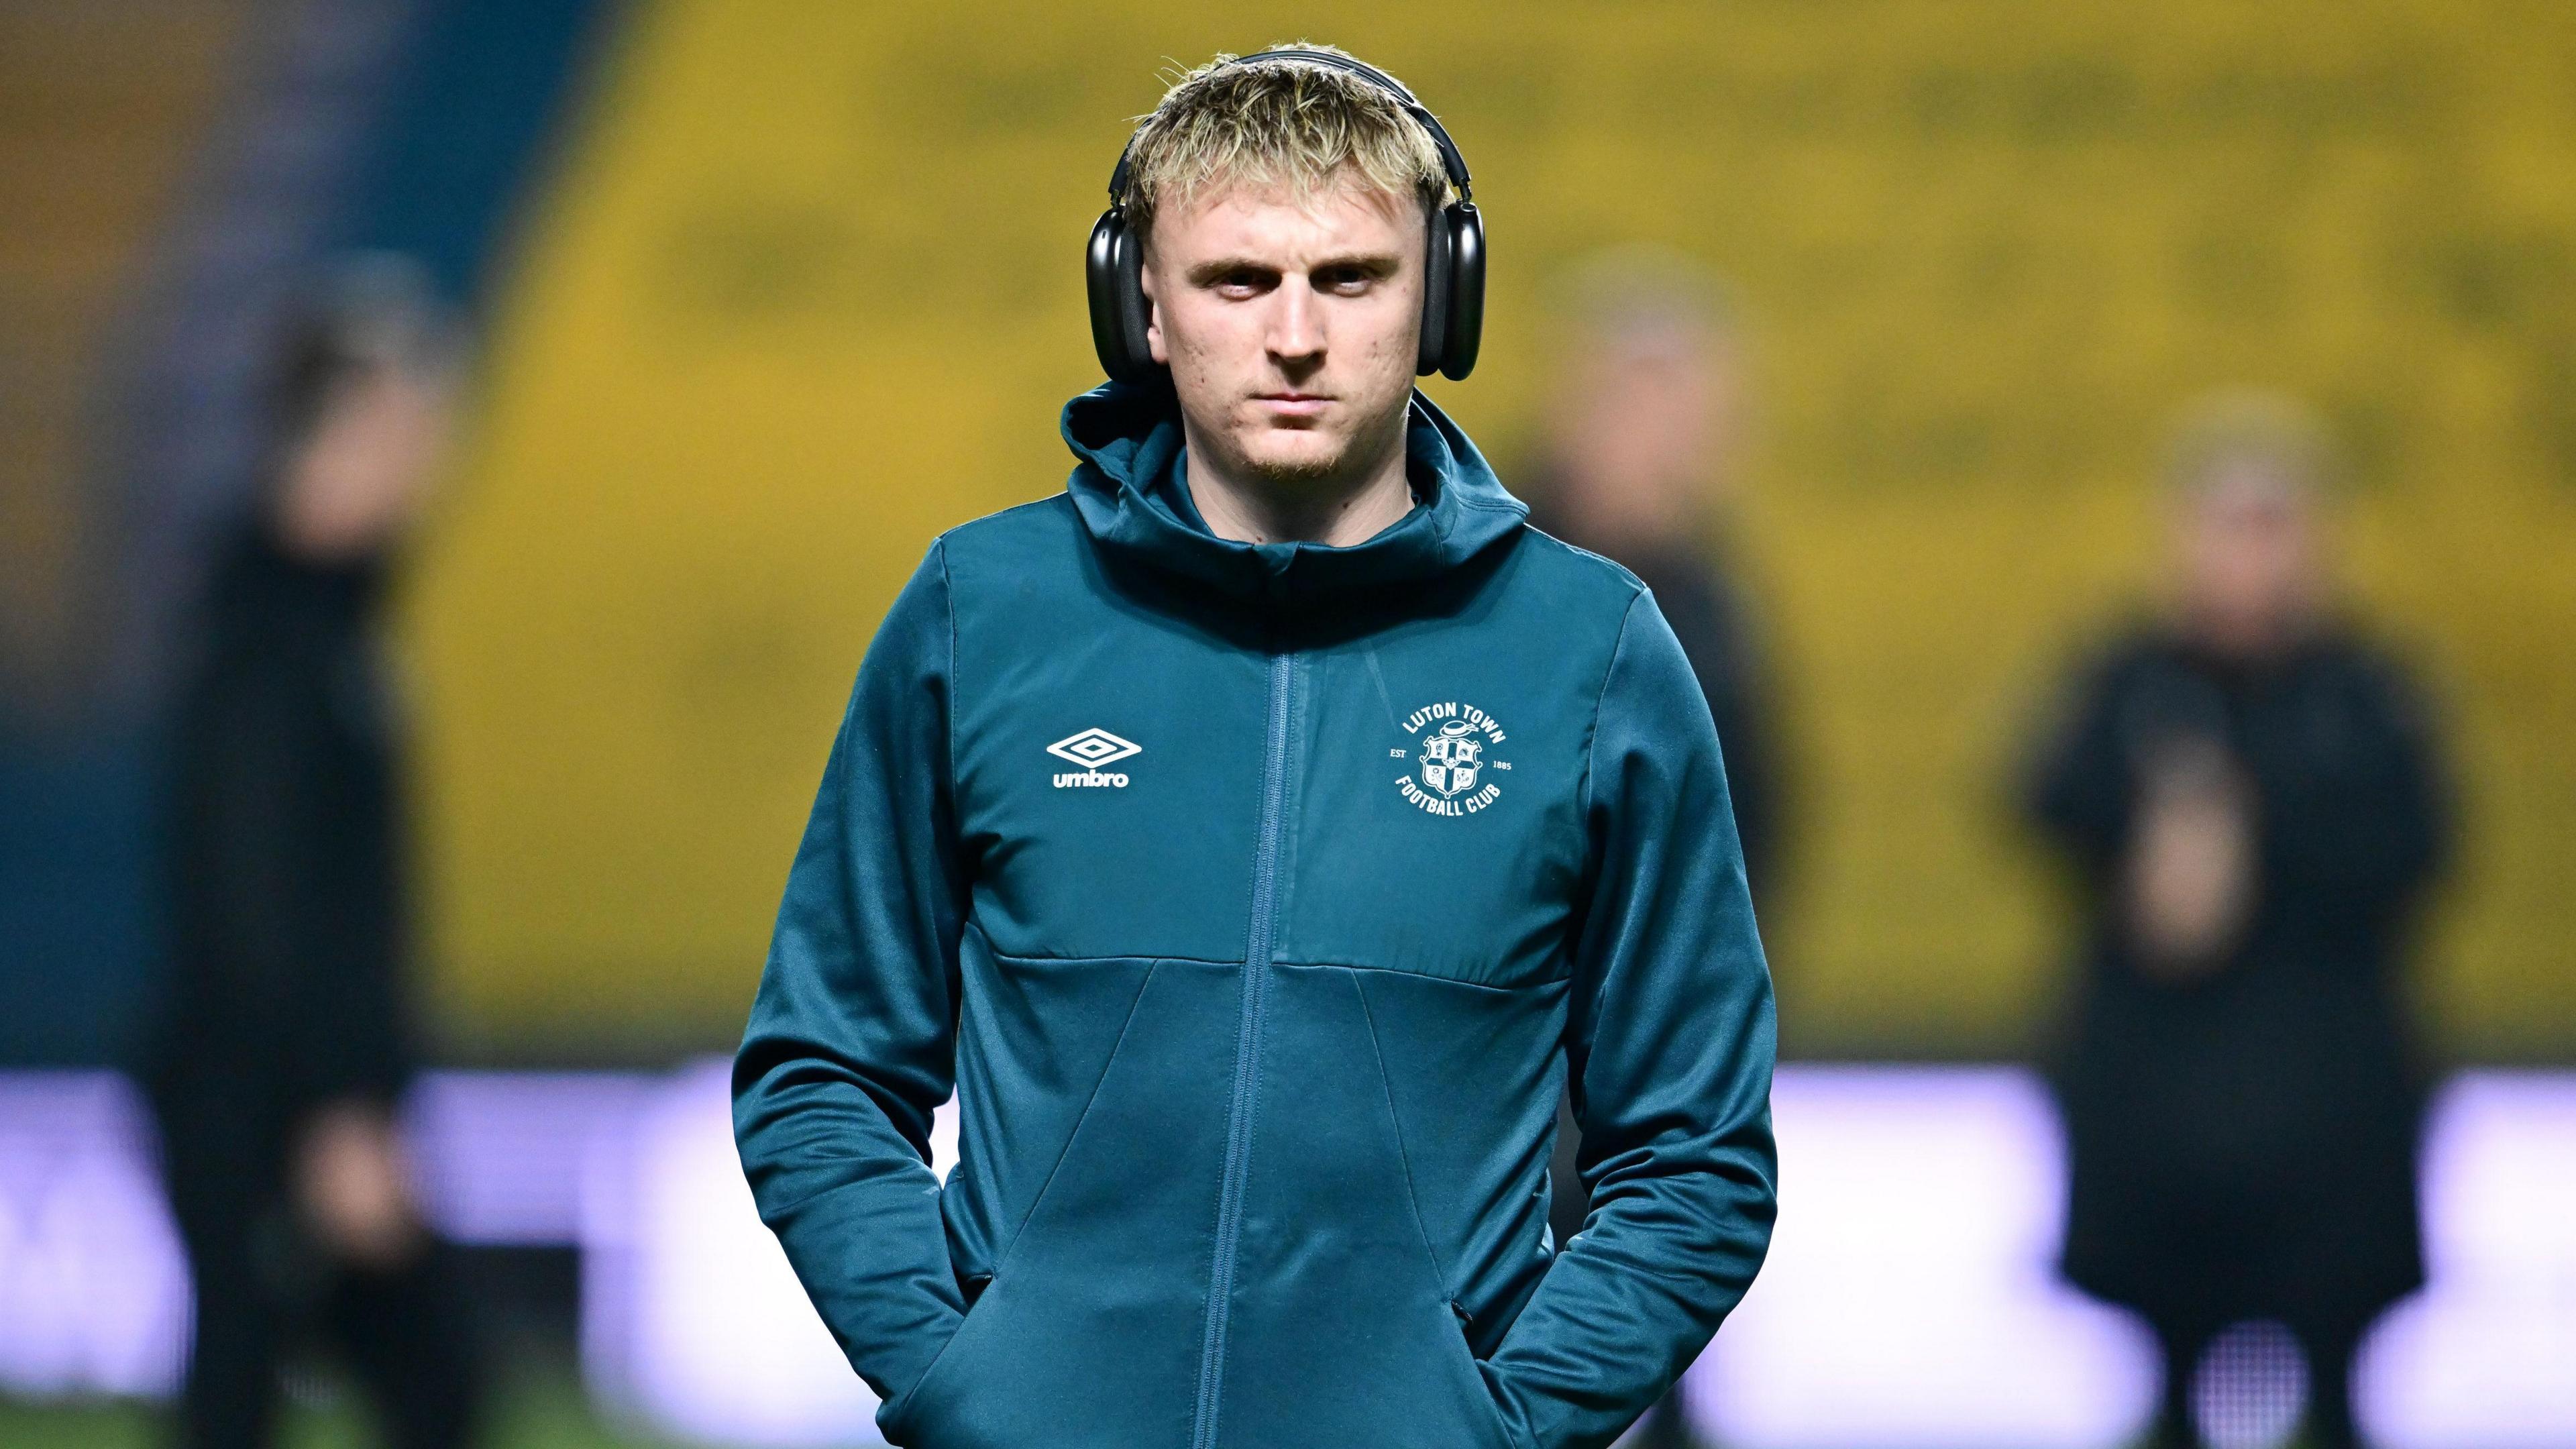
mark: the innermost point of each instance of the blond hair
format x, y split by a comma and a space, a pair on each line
2278, 436
1277, 121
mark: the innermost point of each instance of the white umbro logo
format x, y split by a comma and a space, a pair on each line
1091, 749
1094, 748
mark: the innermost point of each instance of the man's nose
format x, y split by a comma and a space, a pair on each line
1296, 325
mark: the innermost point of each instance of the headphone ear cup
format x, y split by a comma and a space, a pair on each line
1114, 285
1465, 329
1135, 314
1100, 289
1437, 289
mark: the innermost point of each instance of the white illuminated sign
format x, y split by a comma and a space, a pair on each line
1909, 1298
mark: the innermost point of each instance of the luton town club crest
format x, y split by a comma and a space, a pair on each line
1453, 759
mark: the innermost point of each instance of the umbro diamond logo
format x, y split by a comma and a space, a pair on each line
1091, 749
1094, 748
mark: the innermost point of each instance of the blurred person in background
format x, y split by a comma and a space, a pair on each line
287, 1044
2250, 799
1645, 440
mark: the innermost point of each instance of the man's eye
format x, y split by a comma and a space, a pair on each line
1345, 283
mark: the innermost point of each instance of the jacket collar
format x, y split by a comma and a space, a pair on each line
1128, 487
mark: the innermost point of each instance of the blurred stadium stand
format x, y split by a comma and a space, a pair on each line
804, 300
1983, 262
103, 114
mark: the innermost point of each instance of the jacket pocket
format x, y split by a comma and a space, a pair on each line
1085, 1174
1464, 1355
900, 1420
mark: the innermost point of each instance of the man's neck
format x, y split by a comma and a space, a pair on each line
1338, 510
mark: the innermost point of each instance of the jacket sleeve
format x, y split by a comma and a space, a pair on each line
308, 955
1669, 1045
2366, 826
851, 1041
2076, 788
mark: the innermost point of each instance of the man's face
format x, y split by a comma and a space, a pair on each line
2250, 565
1290, 330
1647, 419
366, 469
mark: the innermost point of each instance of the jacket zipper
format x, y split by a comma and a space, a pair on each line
1247, 1055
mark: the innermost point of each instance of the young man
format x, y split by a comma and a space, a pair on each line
1254, 836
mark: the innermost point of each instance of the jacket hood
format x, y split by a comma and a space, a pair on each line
1130, 490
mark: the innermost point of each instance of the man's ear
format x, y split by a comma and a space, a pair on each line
1153, 314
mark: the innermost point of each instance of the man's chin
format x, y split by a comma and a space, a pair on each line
1293, 465
1294, 470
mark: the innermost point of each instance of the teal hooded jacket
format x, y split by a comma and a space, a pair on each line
1255, 900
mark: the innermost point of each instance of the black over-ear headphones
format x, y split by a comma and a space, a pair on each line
1453, 292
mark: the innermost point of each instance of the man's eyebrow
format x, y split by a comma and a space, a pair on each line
1217, 269
1375, 264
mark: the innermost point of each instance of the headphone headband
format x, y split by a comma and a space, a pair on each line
1451, 161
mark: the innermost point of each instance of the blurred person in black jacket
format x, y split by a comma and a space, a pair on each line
1644, 443
2250, 799
277, 1073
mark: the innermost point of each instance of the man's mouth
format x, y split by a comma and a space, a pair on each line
1293, 404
